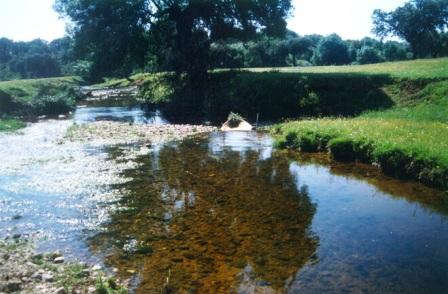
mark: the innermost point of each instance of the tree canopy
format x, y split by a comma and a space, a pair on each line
179, 32
331, 50
422, 23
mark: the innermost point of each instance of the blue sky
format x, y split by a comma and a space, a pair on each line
25, 20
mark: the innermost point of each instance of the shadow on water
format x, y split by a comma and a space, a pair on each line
227, 214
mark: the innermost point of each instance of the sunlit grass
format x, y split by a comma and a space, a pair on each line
421, 68
413, 137
11, 124
26, 90
429, 139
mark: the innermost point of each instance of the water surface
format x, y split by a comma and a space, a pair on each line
228, 214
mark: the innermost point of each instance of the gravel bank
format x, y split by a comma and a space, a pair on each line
111, 133
24, 271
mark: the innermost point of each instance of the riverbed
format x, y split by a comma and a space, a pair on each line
220, 212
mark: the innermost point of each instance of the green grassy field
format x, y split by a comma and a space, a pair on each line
414, 69
409, 140
30, 98
25, 91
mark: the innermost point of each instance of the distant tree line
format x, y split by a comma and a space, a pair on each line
35, 59
39, 59
117, 38
307, 50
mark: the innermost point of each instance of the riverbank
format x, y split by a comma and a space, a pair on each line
273, 94
25, 100
406, 141
22, 270
11, 124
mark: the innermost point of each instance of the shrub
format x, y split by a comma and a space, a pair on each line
394, 162
342, 149
234, 119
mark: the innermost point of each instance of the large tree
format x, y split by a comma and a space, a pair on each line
180, 32
419, 22
331, 50
110, 33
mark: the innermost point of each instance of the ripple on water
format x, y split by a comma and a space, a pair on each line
53, 189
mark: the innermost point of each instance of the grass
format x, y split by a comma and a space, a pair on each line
406, 141
26, 90
11, 124
415, 69
37, 96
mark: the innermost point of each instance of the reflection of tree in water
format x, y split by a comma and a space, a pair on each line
228, 213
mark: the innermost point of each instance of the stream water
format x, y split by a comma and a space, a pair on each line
222, 213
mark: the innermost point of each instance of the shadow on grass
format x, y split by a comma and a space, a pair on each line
274, 96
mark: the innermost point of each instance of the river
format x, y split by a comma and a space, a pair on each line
222, 213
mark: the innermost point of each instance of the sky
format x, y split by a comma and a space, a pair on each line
25, 20
351, 19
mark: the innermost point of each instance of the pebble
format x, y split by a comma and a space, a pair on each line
117, 132
96, 267
14, 285
60, 291
47, 278
36, 276
59, 259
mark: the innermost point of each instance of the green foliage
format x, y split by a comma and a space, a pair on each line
111, 35
331, 50
423, 69
271, 95
158, 88
177, 34
234, 119
406, 142
368, 55
31, 98
10, 124
108, 286
72, 276
420, 22
34, 59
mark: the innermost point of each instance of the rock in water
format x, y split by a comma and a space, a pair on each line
59, 259
243, 126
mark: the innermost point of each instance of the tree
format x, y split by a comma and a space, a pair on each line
419, 22
34, 59
181, 31
112, 34
331, 50
394, 51
368, 55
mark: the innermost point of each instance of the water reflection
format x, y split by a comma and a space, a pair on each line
228, 214
131, 114
214, 218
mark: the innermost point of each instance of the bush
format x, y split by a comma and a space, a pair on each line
234, 120
32, 98
342, 149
